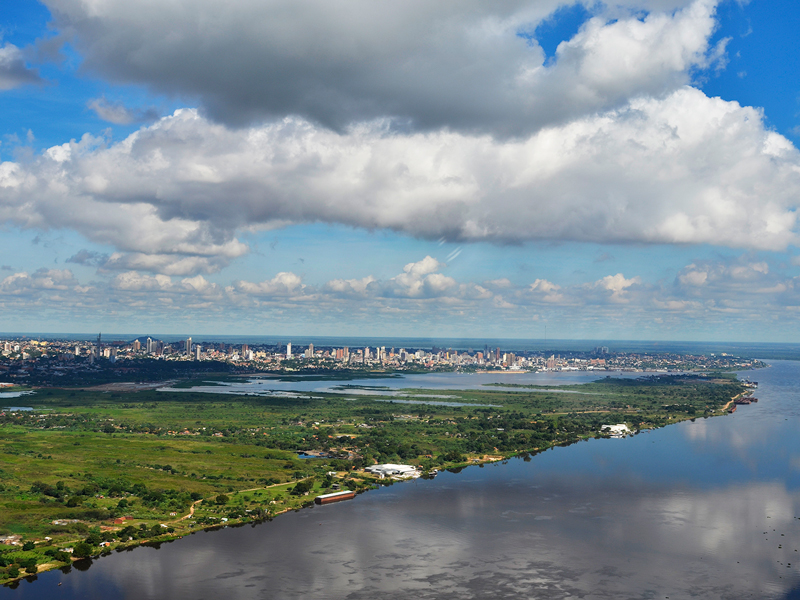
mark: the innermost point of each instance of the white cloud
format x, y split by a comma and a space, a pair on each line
740, 297
547, 290
132, 281
419, 279
617, 285
462, 65
693, 276
283, 284
683, 169
13, 70
118, 113
42, 279
350, 287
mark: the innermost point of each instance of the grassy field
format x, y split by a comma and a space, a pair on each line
82, 459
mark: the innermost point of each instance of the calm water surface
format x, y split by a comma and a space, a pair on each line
403, 385
698, 510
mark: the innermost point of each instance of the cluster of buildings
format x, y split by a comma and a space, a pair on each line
291, 358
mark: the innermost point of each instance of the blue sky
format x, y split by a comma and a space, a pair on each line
622, 170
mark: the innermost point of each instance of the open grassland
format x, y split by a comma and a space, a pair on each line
174, 462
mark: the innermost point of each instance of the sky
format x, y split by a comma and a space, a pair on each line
584, 170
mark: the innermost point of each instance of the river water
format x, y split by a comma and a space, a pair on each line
709, 509
402, 385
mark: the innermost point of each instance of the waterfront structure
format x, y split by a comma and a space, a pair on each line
335, 497
619, 430
388, 470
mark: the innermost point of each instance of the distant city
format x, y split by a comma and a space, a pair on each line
54, 358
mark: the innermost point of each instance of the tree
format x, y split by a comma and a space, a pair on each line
81, 550
28, 546
30, 566
302, 487
222, 499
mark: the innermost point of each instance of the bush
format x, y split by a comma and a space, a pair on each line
13, 571
453, 456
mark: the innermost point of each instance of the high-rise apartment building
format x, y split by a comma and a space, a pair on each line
188, 346
289, 350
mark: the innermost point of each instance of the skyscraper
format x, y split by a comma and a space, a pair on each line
188, 346
310, 352
289, 350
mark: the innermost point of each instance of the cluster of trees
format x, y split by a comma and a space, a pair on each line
127, 491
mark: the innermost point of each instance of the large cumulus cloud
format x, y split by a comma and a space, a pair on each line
682, 169
467, 65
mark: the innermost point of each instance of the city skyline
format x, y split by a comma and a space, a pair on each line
626, 170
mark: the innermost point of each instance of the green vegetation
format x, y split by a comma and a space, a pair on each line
93, 471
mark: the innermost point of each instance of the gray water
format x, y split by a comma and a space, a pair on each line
697, 510
403, 385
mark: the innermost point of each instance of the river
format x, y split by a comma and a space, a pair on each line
704, 509
401, 385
